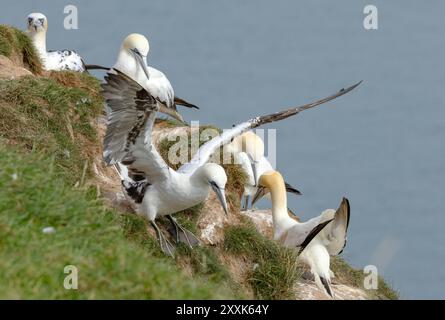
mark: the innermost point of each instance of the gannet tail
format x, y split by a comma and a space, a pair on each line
95, 67
184, 103
326, 283
291, 189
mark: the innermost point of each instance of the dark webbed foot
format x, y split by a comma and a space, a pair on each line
165, 245
182, 235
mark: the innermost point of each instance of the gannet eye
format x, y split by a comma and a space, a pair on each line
214, 185
135, 50
42, 20
29, 20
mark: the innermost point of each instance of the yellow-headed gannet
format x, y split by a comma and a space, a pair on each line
328, 242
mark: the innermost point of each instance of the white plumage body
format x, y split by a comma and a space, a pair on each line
57, 60
62, 60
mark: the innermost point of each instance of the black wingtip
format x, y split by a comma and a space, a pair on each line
312, 235
326, 286
345, 201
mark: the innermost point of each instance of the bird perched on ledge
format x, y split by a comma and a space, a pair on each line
58, 60
134, 64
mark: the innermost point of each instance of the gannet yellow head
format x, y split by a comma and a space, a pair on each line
136, 42
136, 45
37, 22
214, 175
252, 145
271, 181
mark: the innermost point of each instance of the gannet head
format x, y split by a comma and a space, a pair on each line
214, 175
252, 145
37, 22
136, 45
270, 181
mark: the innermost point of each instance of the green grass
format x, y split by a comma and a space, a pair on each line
49, 125
354, 277
114, 256
15, 43
45, 115
275, 270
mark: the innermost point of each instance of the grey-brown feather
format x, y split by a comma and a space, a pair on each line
129, 108
293, 111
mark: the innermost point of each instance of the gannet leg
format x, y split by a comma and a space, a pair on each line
166, 246
246, 203
181, 234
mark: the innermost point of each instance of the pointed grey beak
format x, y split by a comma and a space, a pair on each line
261, 191
140, 60
254, 167
221, 196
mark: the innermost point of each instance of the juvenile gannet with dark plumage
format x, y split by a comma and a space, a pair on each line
328, 242
133, 99
51, 60
248, 152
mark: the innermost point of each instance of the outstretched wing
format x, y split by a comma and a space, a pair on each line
130, 117
206, 150
301, 234
336, 232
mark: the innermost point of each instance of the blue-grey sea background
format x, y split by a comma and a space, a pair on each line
382, 145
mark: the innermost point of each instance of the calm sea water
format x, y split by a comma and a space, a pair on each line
382, 146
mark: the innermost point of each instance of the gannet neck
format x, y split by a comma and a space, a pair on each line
275, 183
39, 41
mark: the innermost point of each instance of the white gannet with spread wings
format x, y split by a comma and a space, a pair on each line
131, 115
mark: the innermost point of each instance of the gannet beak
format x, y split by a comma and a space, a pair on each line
261, 191
255, 173
253, 165
173, 113
221, 196
140, 60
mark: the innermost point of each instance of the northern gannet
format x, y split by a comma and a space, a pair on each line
51, 60
328, 242
248, 151
133, 99
163, 82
